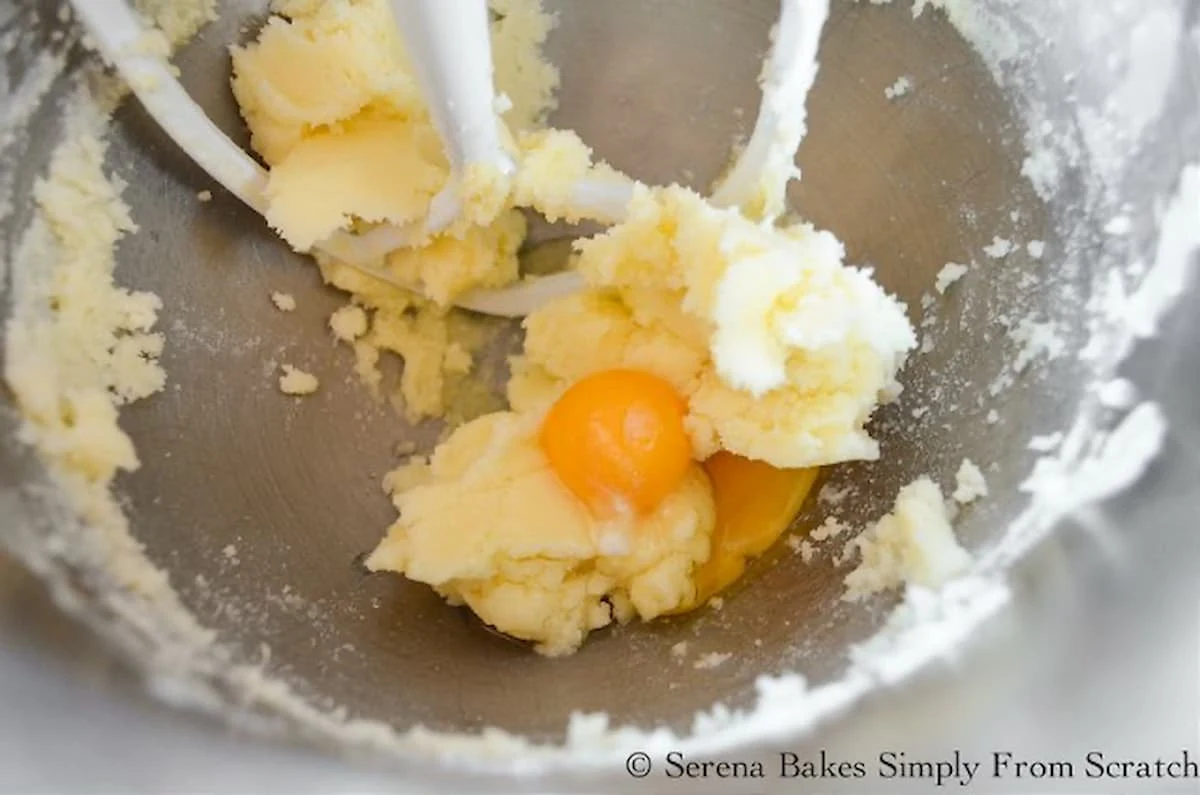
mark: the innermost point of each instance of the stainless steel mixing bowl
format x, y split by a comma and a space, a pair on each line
260, 507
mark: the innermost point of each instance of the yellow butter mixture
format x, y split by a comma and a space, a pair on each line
663, 424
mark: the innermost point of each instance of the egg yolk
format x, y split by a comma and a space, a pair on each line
755, 503
616, 440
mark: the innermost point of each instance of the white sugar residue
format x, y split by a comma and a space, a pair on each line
1111, 463
1045, 443
712, 659
849, 551
1090, 464
950, 273
1119, 226
969, 483
19, 102
1140, 95
1125, 314
928, 625
999, 248
1054, 149
1178, 241
1036, 339
988, 32
1119, 393
1041, 167
830, 528
808, 547
899, 88
832, 496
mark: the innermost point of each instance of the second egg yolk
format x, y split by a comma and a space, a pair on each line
755, 504
616, 439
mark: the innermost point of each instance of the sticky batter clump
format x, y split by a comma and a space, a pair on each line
913, 544
284, 302
492, 527
781, 352
778, 352
348, 323
765, 355
333, 109
297, 382
78, 346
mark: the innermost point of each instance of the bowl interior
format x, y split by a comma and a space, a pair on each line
260, 506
